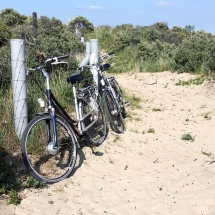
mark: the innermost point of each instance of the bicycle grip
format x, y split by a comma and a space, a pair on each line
110, 53
62, 57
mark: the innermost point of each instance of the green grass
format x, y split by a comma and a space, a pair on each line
134, 101
9, 177
151, 130
207, 116
206, 153
14, 197
137, 119
134, 131
196, 81
156, 109
187, 137
32, 182
117, 138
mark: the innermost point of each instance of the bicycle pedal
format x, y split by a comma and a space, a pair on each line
124, 115
126, 104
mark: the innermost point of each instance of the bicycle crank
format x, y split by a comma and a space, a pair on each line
126, 104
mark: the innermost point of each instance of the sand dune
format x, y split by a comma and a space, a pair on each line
140, 172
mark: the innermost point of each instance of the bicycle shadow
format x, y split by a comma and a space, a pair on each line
81, 155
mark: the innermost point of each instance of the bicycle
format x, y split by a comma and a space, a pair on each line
50, 141
112, 96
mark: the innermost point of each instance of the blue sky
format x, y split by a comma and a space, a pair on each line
198, 13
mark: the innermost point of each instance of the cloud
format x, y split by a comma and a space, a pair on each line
93, 7
164, 3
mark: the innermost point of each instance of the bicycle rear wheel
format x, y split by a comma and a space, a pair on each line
42, 165
97, 133
115, 117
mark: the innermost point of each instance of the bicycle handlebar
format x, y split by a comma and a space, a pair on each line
92, 65
49, 60
110, 53
107, 56
55, 59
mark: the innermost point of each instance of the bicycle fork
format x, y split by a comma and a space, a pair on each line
52, 147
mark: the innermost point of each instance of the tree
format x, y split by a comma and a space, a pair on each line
189, 28
161, 26
152, 34
80, 25
50, 27
5, 33
123, 36
178, 34
11, 17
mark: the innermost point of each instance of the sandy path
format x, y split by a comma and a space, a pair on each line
140, 172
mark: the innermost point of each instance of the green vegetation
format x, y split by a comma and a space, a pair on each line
151, 130
117, 138
187, 137
134, 101
156, 109
32, 182
196, 81
206, 153
207, 116
14, 197
158, 48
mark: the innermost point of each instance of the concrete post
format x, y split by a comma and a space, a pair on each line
82, 39
19, 85
94, 58
86, 60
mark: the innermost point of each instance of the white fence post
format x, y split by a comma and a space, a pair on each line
19, 85
86, 60
94, 58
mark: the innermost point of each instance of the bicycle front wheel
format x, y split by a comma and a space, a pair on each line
42, 165
115, 117
119, 96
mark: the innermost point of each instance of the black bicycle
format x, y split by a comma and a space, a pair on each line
112, 96
50, 141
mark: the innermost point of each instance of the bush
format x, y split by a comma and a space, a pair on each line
195, 54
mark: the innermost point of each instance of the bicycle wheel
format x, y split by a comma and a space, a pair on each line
97, 133
115, 117
119, 96
42, 165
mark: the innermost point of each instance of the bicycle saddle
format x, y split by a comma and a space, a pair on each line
75, 78
105, 66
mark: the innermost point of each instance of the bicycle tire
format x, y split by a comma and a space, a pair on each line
115, 118
119, 96
97, 133
42, 165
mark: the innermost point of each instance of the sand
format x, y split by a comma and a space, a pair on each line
149, 169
